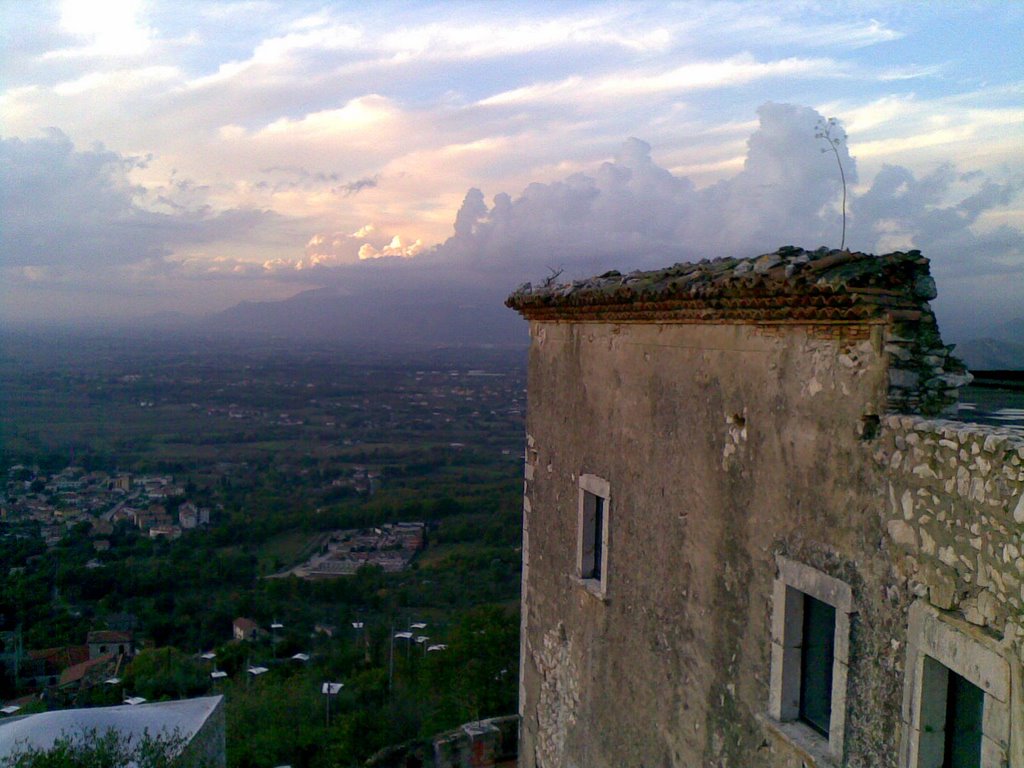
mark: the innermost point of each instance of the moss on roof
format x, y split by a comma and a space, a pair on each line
792, 275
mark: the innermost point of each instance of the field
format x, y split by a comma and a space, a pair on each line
282, 445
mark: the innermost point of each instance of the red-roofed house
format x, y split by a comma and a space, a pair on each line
75, 674
47, 664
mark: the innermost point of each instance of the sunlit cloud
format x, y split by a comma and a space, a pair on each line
108, 29
395, 249
358, 115
118, 80
737, 70
251, 142
770, 20
446, 41
701, 75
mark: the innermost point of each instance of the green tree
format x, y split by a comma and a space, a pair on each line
165, 673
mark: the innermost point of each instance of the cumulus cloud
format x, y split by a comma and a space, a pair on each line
325, 252
940, 213
627, 213
632, 213
395, 249
75, 211
58, 204
111, 28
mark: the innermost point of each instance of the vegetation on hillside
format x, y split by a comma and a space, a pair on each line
441, 442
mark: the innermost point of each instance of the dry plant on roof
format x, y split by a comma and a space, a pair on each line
830, 131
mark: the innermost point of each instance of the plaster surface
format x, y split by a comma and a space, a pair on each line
726, 447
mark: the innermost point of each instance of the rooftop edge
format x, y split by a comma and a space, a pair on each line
788, 284
792, 286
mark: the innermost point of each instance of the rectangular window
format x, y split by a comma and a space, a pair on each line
592, 533
817, 656
593, 514
964, 706
956, 697
811, 616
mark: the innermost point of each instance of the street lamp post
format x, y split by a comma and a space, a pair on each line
330, 689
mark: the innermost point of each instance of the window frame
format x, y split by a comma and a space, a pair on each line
794, 581
938, 643
597, 487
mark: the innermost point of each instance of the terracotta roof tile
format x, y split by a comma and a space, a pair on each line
109, 636
78, 671
63, 657
789, 284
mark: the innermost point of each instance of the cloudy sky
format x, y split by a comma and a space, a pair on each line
184, 156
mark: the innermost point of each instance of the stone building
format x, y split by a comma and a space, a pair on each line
749, 539
108, 641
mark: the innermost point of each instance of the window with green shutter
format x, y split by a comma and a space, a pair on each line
817, 656
964, 706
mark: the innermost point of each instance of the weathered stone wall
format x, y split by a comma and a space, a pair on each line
955, 518
724, 447
956, 513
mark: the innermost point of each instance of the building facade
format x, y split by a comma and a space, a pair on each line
105, 642
748, 538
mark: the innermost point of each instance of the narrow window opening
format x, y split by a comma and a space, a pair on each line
964, 707
598, 537
592, 543
593, 536
817, 656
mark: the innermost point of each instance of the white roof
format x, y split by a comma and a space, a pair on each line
42, 729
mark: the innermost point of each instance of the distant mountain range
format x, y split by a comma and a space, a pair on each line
426, 318
405, 318
1000, 348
